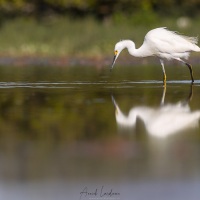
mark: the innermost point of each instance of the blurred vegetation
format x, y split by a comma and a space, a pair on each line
100, 9
87, 28
80, 38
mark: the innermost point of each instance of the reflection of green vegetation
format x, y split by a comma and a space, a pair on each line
51, 114
74, 112
66, 37
71, 131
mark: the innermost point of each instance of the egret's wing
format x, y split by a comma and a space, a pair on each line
161, 40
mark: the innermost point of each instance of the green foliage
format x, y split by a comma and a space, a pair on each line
137, 18
101, 9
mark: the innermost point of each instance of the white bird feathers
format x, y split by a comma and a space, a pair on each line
164, 44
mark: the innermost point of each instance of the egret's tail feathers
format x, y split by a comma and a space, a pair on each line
193, 40
196, 48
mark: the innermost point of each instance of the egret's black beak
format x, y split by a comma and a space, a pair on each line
113, 63
114, 59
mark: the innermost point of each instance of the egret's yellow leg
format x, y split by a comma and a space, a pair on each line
164, 77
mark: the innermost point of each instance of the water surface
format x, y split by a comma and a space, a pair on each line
86, 133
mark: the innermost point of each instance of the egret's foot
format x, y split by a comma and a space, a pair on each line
164, 79
164, 84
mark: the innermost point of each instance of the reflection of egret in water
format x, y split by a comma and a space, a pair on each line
165, 120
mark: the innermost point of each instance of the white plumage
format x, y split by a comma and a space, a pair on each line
164, 44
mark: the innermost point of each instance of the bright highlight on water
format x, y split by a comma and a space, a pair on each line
164, 44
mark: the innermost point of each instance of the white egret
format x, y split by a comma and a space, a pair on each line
164, 44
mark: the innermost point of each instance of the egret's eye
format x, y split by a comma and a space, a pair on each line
116, 52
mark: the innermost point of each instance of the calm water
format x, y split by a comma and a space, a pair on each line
85, 133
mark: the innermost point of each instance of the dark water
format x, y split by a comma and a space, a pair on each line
83, 133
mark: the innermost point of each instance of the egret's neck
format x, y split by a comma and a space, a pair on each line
140, 52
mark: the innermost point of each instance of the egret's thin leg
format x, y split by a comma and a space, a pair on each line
189, 66
191, 72
164, 74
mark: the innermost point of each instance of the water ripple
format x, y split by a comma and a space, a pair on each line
80, 84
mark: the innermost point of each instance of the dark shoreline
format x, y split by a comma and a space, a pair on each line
100, 62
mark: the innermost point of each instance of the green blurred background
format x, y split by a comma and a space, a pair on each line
58, 124
88, 28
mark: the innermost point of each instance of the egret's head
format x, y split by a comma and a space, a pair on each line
118, 48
